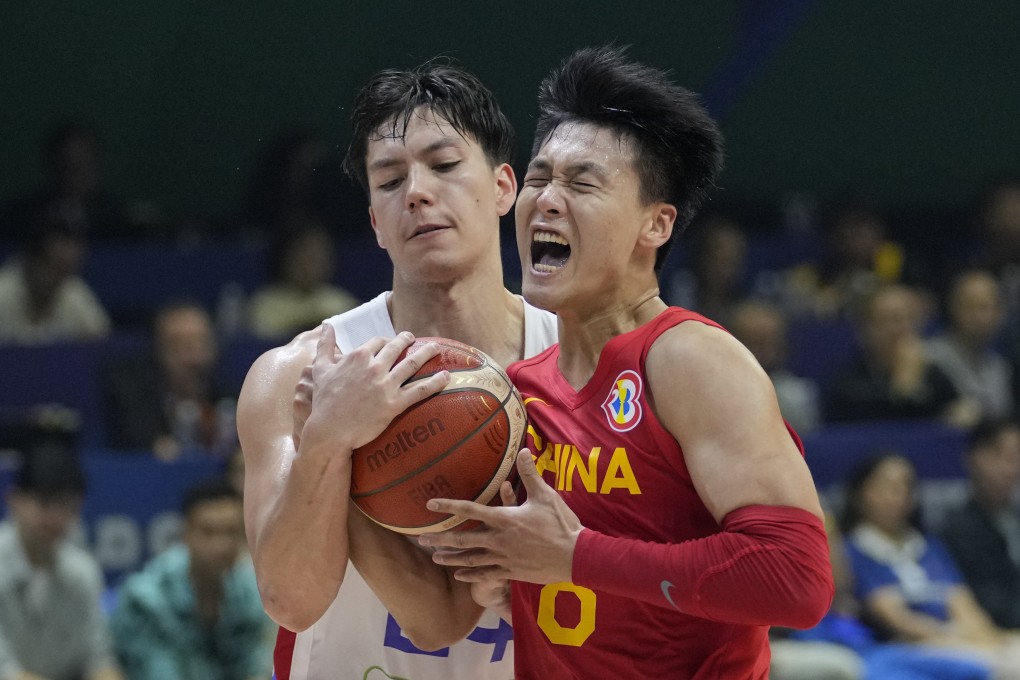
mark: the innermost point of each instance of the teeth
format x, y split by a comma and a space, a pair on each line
548, 237
539, 267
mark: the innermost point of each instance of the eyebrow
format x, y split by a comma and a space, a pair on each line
437, 145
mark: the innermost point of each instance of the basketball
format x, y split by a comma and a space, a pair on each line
460, 443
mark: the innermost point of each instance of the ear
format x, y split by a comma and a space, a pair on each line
506, 188
375, 228
659, 227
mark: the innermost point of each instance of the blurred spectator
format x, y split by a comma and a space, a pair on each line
194, 611
296, 179
714, 280
857, 258
893, 379
966, 351
42, 297
300, 293
908, 585
762, 329
984, 535
51, 623
171, 401
998, 249
73, 191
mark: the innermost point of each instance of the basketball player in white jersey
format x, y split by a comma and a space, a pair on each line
432, 149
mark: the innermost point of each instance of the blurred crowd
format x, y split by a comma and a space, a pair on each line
854, 316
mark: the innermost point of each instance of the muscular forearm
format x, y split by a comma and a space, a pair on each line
300, 543
769, 566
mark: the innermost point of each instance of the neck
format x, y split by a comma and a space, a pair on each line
208, 593
38, 556
993, 504
482, 314
583, 337
970, 348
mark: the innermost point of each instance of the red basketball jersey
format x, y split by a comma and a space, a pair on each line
624, 475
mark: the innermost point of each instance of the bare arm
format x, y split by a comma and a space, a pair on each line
769, 565
294, 514
711, 394
967, 625
296, 499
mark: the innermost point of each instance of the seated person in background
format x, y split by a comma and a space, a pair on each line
966, 351
51, 623
194, 612
857, 258
300, 294
42, 296
908, 585
73, 189
893, 379
762, 329
984, 534
171, 401
997, 236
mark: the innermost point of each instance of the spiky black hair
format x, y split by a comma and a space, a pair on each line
679, 146
386, 103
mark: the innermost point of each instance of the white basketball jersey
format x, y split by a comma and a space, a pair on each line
357, 639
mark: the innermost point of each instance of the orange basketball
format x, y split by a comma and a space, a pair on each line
460, 443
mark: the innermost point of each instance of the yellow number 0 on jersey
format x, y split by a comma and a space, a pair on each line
557, 634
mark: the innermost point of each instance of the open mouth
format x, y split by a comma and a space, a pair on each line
549, 251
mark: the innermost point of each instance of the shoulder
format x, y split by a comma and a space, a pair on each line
285, 360
165, 566
697, 354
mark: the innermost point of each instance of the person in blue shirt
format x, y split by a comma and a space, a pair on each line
194, 610
909, 587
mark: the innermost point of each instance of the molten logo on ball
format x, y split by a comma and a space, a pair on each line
404, 440
458, 443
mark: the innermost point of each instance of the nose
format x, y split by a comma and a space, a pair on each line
419, 191
549, 200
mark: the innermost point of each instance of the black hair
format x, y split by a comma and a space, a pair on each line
172, 306
50, 467
206, 491
852, 515
679, 146
384, 107
987, 431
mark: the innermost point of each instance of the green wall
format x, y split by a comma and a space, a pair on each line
910, 102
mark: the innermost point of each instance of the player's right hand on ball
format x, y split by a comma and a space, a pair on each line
354, 396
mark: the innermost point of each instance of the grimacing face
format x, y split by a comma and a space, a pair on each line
580, 220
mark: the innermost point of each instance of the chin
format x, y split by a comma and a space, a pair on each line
538, 295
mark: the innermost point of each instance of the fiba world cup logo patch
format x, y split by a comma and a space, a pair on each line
621, 406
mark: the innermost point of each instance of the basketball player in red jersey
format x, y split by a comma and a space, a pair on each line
354, 600
678, 519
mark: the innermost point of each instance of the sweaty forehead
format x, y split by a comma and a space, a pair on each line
423, 132
578, 143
